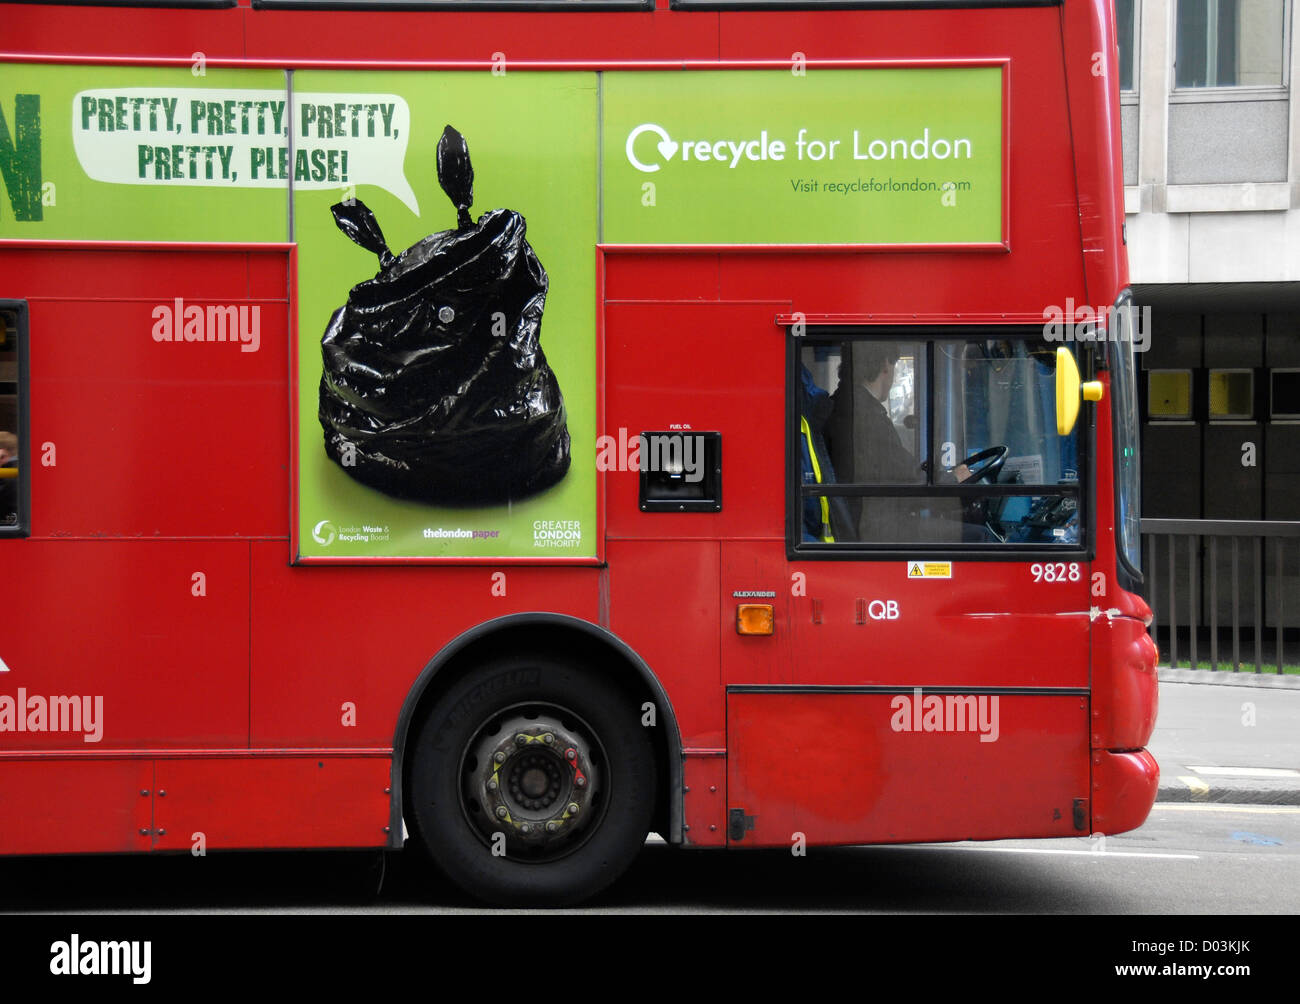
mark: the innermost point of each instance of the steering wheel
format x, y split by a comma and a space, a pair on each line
995, 456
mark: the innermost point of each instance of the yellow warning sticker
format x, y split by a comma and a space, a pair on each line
929, 569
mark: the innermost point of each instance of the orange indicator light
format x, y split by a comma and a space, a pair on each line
755, 618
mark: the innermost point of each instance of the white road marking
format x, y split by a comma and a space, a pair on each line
1246, 771
1259, 810
1040, 850
1198, 787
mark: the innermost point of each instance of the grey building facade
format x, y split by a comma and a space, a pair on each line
1212, 200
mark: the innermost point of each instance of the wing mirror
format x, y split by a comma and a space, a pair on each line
1070, 390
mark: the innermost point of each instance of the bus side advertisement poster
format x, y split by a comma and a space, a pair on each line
444, 376
447, 370
840, 156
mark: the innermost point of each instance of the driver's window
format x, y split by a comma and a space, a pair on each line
1007, 398
900, 439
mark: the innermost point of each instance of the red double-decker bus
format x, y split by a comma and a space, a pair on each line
521, 427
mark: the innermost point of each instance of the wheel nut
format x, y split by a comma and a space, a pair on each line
525, 828
499, 758
501, 812
552, 826
573, 808
521, 738
581, 782
572, 754
492, 786
548, 739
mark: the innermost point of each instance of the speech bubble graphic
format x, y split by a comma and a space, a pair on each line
217, 137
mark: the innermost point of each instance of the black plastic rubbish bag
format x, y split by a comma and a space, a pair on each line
435, 386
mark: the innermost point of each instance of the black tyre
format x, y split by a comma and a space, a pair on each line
532, 782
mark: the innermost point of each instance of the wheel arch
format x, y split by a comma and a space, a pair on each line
531, 633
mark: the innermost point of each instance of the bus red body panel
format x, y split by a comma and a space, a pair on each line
194, 801
1125, 778
1092, 80
839, 768
247, 802
1124, 684
1124, 789
77, 805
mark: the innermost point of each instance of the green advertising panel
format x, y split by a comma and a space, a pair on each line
867, 156
140, 153
446, 225
446, 232
439, 429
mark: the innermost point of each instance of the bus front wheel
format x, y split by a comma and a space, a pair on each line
533, 782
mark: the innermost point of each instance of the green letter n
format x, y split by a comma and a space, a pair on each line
20, 159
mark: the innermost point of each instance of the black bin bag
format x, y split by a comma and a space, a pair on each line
435, 386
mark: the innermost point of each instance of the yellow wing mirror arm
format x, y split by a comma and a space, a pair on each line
1070, 390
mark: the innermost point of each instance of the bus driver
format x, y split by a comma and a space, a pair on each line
865, 441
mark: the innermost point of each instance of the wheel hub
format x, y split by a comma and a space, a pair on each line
535, 780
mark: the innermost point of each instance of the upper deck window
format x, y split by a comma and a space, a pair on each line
520, 5
855, 4
137, 3
498, 5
